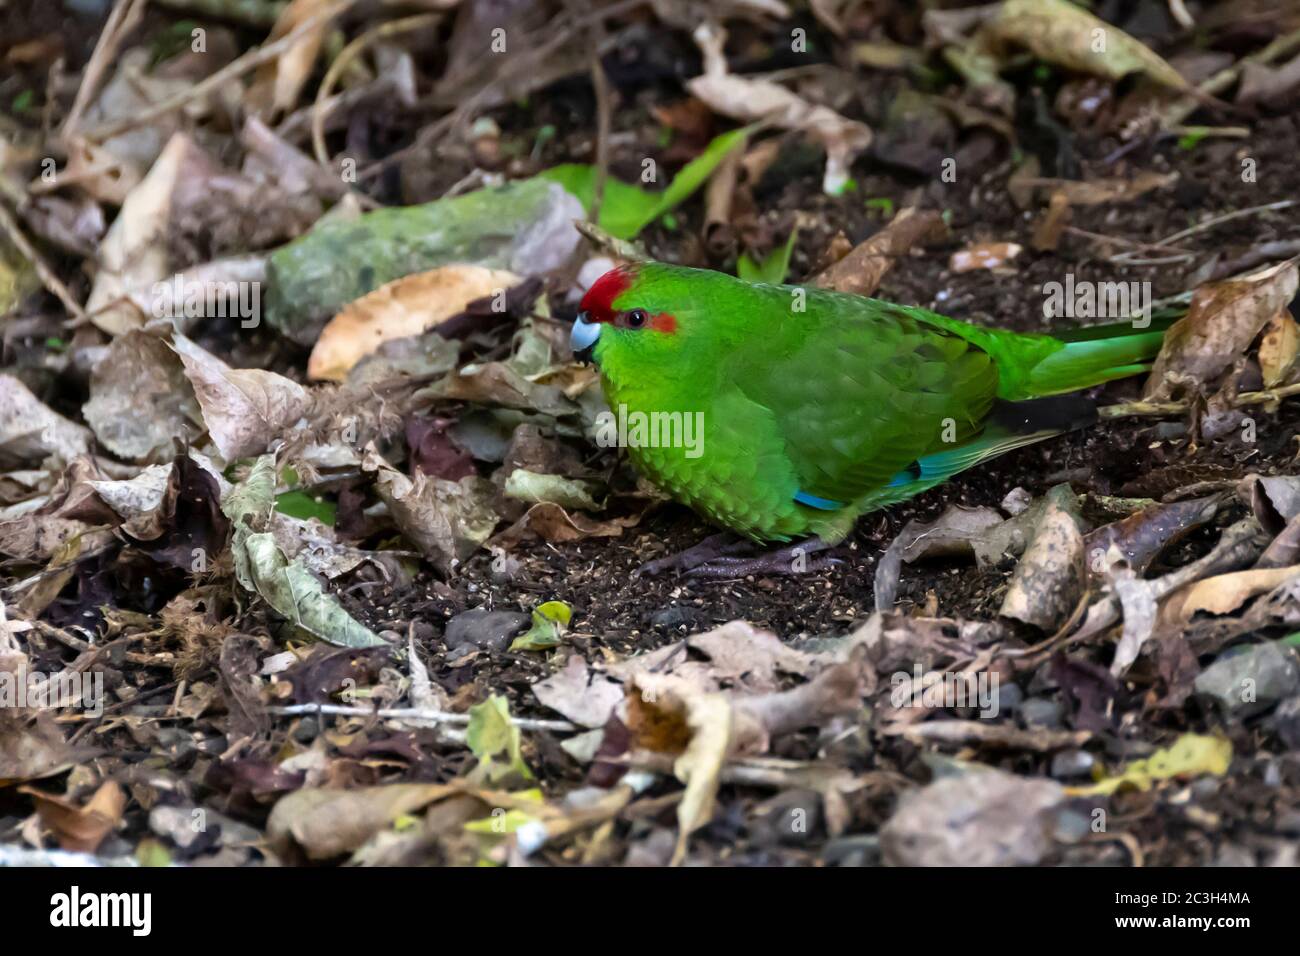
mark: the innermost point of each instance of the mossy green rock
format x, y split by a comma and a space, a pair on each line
526, 227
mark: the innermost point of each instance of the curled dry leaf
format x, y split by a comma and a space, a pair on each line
1274, 499
1224, 318
404, 307
1049, 579
1060, 32
1223, 593
535, 488
80, 828
245, 410
1140, 538
446, 520
1278, 349
133, 255
957, 531
1097, 192
277, 84
30, 430
750, 100
552, 523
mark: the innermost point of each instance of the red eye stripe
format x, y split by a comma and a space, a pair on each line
663, 322
598, 303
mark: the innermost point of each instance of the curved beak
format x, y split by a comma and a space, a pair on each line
583, 336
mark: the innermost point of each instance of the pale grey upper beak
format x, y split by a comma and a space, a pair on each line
582, 339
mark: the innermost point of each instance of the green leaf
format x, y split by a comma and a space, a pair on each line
626, 209
495, 741
299, 504
550, 621
772, 269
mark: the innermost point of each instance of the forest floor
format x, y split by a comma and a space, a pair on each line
790, 750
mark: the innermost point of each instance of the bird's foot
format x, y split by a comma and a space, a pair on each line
719, 558
714, 547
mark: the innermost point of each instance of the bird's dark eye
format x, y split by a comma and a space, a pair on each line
636, 318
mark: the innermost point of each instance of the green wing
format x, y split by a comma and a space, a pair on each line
861, 389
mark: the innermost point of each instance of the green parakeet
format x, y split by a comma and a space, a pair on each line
782, 411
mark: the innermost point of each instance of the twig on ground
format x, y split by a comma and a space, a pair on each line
344, 60
122, 19
233, 70
604, 109
1167, 242
47, 275
1157, 409
414, 713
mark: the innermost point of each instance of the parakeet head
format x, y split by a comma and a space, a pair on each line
647, 316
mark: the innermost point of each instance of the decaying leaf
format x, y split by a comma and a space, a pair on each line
404, 307
80, 828
1061, 32
536, 488
981, 818
1140, 538
861, 270
140, 399
1224, 318
446, 520
30, 430
1190, 755
1049, 578
1279, 347
749, 100
244, 410
578, 693
495, 741
286, 585
327, 823
1223, 593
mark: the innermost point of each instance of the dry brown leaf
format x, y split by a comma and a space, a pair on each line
552, 523
1047, 582
407, 306
750, 100
140, 400
1069, 36
446, 520
1224, 319
1223, 593
244, 409
1278, 349
133, 256
30, 430
327, 823
581, 695
1097, 192
861, 270
981, 818
80, 828
278, 84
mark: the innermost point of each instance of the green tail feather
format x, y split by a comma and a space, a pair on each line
1095, 355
